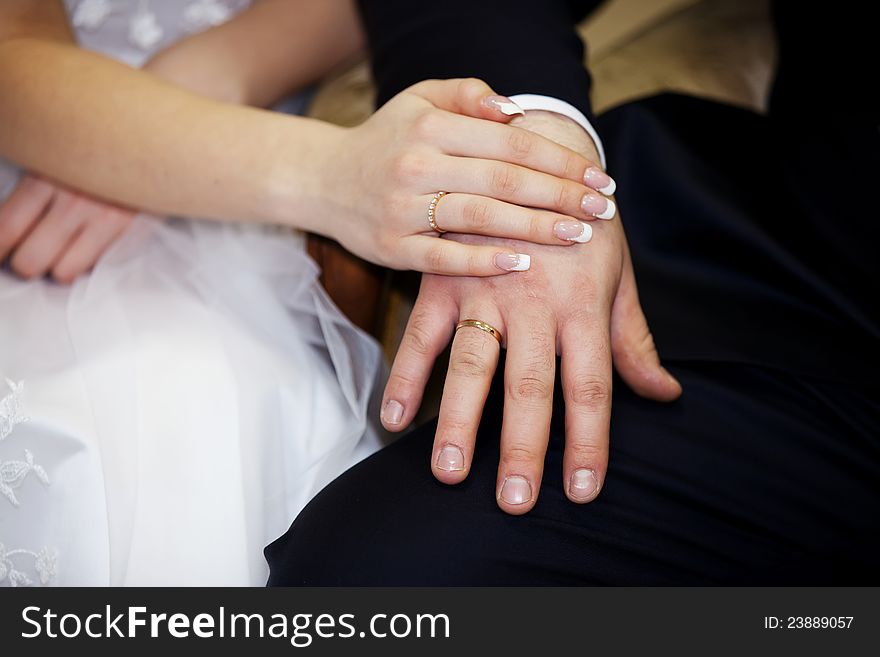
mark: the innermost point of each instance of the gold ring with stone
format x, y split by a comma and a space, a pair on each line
432, 211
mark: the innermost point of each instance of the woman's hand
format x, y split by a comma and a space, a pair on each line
46, 229
501, 181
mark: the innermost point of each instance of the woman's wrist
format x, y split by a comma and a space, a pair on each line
296, 184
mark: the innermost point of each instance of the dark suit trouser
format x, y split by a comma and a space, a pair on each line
761, 288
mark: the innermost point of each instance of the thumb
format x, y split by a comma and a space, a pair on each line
467, 96
632, 345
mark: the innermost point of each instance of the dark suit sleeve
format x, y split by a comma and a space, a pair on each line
517, 46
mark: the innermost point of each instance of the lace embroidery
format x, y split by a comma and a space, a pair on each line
10, 409
144, 30
45, 565
91, 14
13, 474
206, 13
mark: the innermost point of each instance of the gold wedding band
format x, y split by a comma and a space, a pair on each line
483, 326
432, 210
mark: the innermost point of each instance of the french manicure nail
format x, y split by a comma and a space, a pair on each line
573, 230
392, 412
600, 181
504, 105
516, 490
450, 459
598, 206
513, 261
583, 484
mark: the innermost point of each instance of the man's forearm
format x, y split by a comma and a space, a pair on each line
517, 46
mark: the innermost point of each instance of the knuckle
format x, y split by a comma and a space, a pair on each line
504, 181
520, 143
471, 87
470, 363
573, 165
435, 258
408, 167
520, 453
478, 214
428, 125
419, 335
590, 392
530, 388
399, 385
536, 228
584, 453
562, 197
474, 261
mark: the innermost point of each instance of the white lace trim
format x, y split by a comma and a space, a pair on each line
42, 565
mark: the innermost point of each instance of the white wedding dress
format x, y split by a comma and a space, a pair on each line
167, 416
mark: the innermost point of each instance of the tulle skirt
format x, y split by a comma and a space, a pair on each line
167, 416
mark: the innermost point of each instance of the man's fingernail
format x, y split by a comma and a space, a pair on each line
392, 412
600, 181
573, 230
450, 459
503, 104
516, 490
583, 484
598, 206
513, 261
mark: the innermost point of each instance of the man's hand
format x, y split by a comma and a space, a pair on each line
579, 302
46, 229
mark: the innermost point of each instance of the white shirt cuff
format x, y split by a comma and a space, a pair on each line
550, 104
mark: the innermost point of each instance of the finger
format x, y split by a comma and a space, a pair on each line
465, 137
472, 364
39, 251
94, 239
427, 334
632, 345
528, 399
21, 211
522, 186
480, 215
468, 96
586, 387
438, 256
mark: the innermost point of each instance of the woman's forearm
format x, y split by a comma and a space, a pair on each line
124, 135
270, 50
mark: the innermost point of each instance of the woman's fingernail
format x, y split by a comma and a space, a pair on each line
583, 484
516, 490
392, 412
513, 261
573, 230
598, 206
600, 181
503, 104
450, 459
